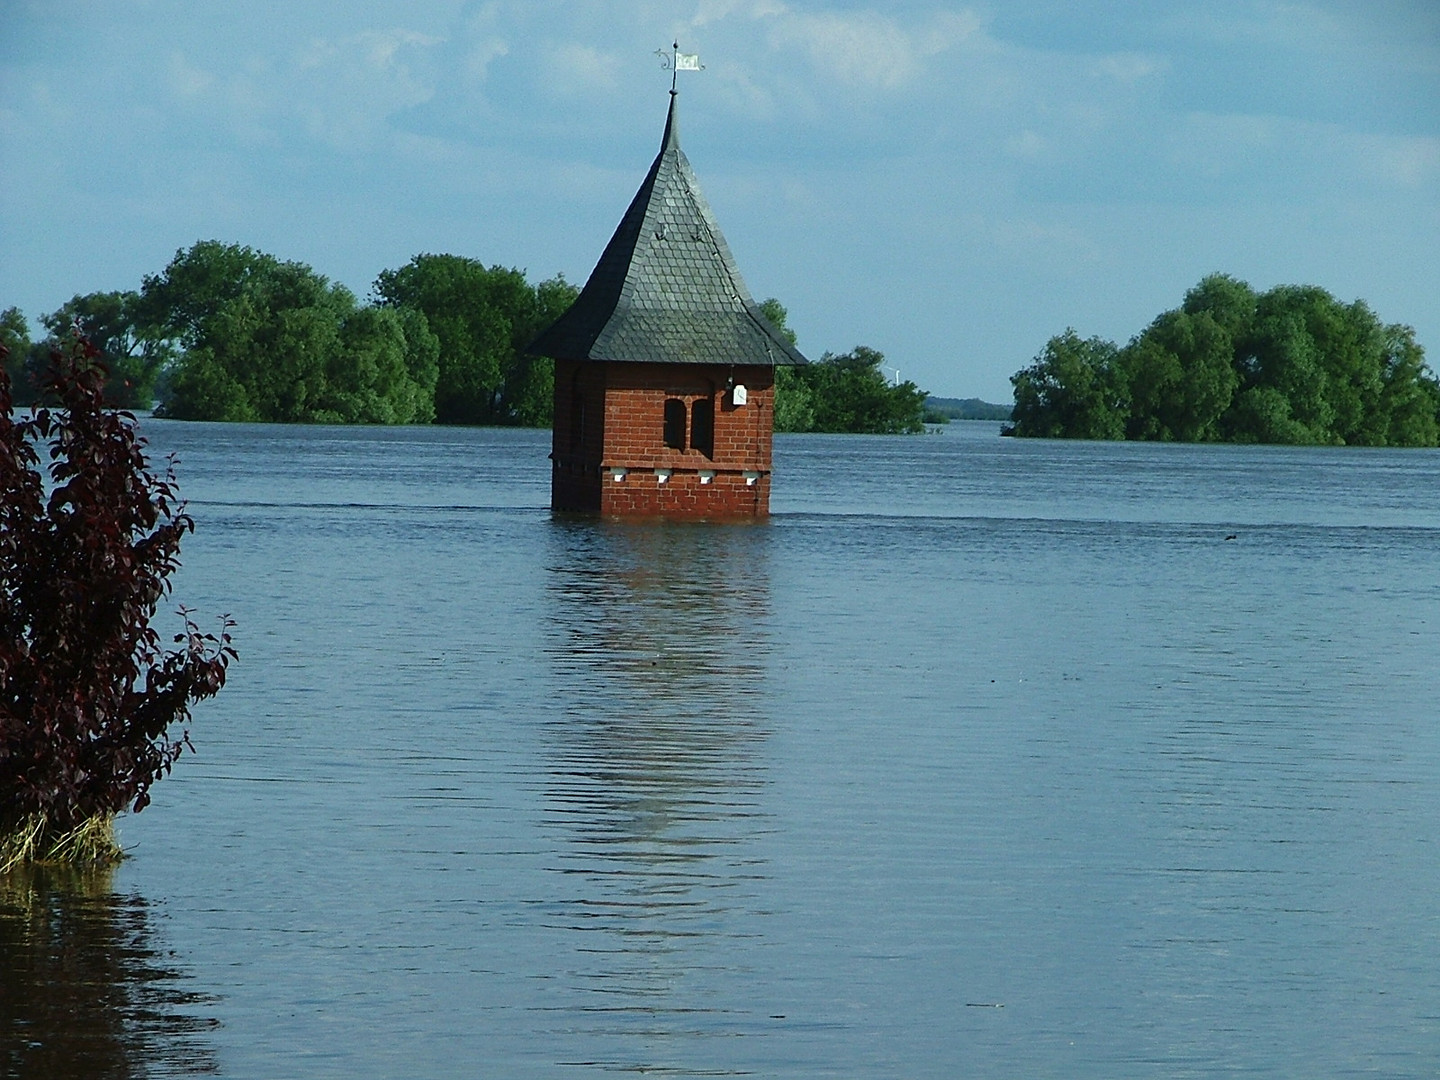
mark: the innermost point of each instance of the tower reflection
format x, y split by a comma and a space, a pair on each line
659, 643
84, 990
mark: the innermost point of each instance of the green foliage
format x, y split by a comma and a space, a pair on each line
794, 401
265, 340
1074, 389
15, 340
483, 320
775, 313
845, 393
848, 393
130, 348
1179, 378
1292, 365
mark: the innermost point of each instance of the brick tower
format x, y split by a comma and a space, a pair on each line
664, 366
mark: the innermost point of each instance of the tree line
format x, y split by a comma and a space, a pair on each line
226, 332
1290, 365
847, 392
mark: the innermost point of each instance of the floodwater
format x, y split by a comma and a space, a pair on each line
983, 757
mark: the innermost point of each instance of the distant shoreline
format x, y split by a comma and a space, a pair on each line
967, 408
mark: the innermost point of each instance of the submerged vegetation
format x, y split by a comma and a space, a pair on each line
1291, 365
226, 332
88, 695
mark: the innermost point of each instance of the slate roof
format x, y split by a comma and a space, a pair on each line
666, 289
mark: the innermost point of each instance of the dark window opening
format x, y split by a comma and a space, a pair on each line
702, 426
675, 423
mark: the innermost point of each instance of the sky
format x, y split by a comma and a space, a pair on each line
951, 184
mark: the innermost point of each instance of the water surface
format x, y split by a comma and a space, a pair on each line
982, 757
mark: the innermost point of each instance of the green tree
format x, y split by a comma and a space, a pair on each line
1410, 395
1075, 389
848, 392
1284, 356
386, 369
265, 340
528, 396
1229, 301
841, 393
131, 350
484, 319
778, 317
794, 403
15, 340
181, 303
1292, 365
1179, 378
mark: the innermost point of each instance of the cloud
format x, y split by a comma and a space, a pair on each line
1411, 162
867, 48
1301, 158
344, 89
480, 54
1038, 243
572, 69
186, 79
1126, 68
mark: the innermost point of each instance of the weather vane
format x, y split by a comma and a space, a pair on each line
676, 61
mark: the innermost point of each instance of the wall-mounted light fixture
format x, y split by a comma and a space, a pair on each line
706, 475
663, 474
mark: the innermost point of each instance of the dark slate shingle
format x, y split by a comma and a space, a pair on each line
666, 288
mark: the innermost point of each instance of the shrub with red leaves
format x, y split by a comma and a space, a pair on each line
88, 695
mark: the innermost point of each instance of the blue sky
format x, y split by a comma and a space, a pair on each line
950, 184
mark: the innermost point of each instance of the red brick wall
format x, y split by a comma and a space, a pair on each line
683, 495
629, 435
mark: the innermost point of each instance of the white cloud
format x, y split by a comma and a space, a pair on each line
1025, 144
1127, 68
709, 12
480, 55
186, 79
867, 48
344, 89
572, 69
1400, 161
1323, 157
1276, 23
1032, 241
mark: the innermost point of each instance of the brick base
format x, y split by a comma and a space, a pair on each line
612, 446
727, 494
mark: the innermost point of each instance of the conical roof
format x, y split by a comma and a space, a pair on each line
666, 289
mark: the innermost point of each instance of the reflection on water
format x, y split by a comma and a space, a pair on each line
658, 648
85, 991
970, 722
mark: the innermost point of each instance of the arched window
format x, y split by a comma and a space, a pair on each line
702, 426
675, 423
